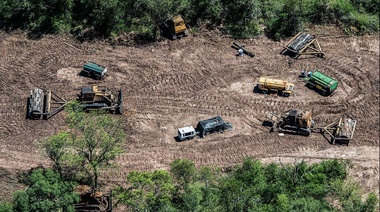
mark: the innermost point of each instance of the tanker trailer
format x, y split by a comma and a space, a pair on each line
280, 87
322, 83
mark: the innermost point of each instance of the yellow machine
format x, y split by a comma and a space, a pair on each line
300, 122
280, 87
292, 121
174, 28
100, 97
92, 199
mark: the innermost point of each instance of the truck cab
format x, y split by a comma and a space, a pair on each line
186, 133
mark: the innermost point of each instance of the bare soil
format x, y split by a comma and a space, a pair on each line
171, 84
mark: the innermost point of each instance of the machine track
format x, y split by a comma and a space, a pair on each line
171, 84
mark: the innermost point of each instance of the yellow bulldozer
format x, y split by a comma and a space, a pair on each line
92, 200
100, 98
292, 121
174, 28
341, 131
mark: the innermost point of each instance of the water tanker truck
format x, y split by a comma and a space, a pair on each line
280, 87
322, 83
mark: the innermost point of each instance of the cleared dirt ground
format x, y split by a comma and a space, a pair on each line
172, 84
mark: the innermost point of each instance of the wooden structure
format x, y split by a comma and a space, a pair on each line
303, 44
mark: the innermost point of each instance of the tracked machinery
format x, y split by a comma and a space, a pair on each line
174, 27
92, 200
299, 122
100, 98
292, 121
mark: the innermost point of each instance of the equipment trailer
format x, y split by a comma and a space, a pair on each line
215, 124
44, 104
94, 70
322, 83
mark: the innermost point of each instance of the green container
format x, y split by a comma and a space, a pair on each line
94, 69
323, 83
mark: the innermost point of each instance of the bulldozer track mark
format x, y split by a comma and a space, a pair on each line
174, 83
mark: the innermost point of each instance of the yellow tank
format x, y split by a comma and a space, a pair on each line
281, 87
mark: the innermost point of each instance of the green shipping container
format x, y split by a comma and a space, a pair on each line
323, 83
94, 69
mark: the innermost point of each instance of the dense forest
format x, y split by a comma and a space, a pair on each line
95, 140
244, 18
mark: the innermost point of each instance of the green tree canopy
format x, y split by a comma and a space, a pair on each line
93, 142
46, 191
241, 19
148, 191
252, 186
183, 171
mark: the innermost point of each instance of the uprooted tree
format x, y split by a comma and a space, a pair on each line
92, 143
